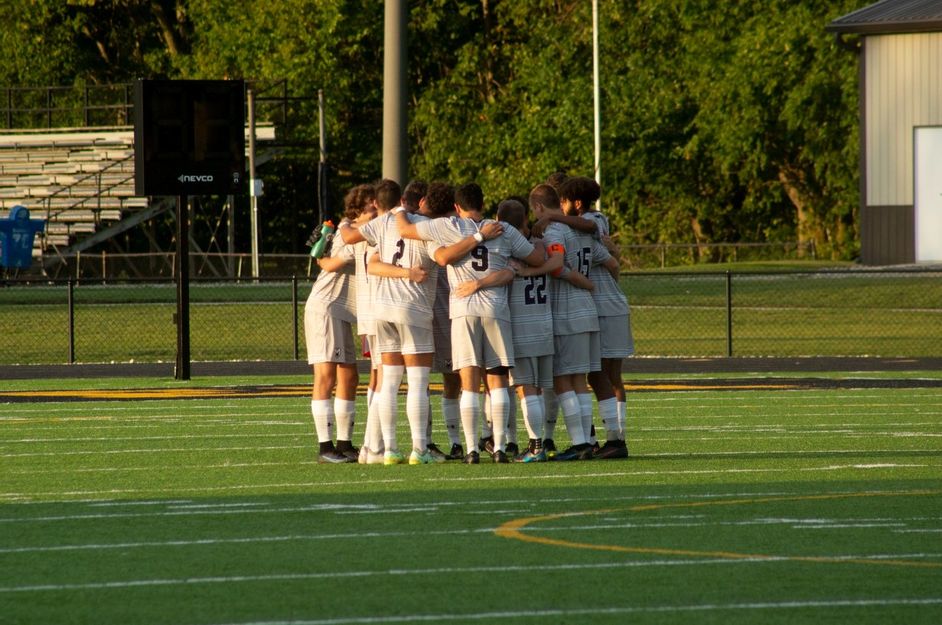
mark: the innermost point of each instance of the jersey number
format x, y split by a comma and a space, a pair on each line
400, 250
535, 291
479, 254
585, 260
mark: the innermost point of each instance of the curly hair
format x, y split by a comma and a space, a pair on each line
580, 188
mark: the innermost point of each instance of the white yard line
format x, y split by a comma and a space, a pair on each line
531, 614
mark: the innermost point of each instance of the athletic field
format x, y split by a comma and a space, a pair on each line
746, 500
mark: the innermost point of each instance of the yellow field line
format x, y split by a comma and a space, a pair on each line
513, 530
302, 390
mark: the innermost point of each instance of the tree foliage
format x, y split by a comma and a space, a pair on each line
729, 122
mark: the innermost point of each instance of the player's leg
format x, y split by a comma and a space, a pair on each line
321, 341
417, 352
467, 357
451, 395
346, 392
498, 354
570, 365
389, 345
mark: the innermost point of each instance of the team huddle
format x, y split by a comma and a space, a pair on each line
431, 285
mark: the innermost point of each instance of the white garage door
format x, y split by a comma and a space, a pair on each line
928, 194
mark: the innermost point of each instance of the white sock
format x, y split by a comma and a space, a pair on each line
621, 419
344, 410
487, 425
452, 416
417, 406
373, 432
585, 404
389, 404
533, 417
322, 411
500, 409
550, 412
470, 408
512, 420
572, 417
608, 410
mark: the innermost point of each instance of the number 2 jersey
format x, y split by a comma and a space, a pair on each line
487, 258
574, 309
400, 300
531, 315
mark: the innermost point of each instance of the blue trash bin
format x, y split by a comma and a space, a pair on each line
16, 238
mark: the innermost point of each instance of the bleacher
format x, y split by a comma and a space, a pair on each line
80, 180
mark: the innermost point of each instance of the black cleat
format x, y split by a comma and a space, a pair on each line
612, 450
472, 458
576, 452
500, 457
457, 452
332, 456
437, 453
347, 449
512, 449
550, 448
487, 444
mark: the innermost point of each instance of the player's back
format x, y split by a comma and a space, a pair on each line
531, 315
610, 300
574, 309
334, 292
396, 299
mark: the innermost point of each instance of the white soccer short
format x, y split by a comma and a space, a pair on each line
403, 338
481, 342
616, 338
328, 339
577, 353
532, 371
369, 341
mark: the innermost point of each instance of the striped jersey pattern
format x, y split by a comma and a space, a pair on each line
400, 300
574, 309
487, 258
531, 315
609, 298
366, 324
334, 292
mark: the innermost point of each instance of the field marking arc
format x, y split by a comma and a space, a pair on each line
512, 530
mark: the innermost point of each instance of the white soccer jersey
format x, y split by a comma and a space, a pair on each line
487, 258
609, 298
574, 309
366, 322
334, 292
395, 299
531, 315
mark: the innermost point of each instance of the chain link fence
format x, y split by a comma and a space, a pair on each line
879, 313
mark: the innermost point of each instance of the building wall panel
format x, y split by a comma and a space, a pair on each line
903, 89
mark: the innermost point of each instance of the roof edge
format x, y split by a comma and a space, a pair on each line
885, 28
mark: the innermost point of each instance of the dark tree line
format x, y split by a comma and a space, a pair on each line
720, 122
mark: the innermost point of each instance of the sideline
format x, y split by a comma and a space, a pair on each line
435, 388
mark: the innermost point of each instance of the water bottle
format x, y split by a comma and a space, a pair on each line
326, 235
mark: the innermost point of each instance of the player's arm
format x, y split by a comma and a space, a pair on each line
613, 266
577, 223
333, 263
551, 264
578, 280
376, 267
490, 281
349, 234
449, 254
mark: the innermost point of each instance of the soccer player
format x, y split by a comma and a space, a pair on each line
404, 333
329, 313
578, 196
575, 323
532, 323
480, 324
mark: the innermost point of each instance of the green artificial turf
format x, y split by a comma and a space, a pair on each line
744, 506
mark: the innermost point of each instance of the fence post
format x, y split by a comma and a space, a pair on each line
729, 314
294, 311
71, 286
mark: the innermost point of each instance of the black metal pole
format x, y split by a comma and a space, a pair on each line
729, 315
182, 371
294, 311
71, 322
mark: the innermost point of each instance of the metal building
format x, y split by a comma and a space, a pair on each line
900, 51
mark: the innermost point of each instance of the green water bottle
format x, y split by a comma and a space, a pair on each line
326, 234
